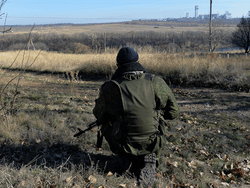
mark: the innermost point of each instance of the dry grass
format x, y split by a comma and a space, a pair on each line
181, 69
49, 61
117, 28
36, 130
38, 147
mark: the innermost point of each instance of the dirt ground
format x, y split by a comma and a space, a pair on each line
205, 103
214, 123
215, 104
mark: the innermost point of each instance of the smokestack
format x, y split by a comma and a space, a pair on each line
196, 11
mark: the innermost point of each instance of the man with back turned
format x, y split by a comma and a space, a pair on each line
133, 103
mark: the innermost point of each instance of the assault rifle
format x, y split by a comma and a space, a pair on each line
91, 126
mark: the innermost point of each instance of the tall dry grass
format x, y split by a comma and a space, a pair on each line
182, 69
46, 61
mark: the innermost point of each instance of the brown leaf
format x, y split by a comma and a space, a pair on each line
122, 186
22, 183
39, 180
68, 179
223, 177
158, 175
53, 185
232, 178
110, 174
92, 179
239, 172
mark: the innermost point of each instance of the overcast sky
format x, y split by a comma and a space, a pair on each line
23, 12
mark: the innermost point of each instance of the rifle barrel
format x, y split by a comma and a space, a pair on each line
90, 126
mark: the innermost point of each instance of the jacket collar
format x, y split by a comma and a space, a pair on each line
129, 68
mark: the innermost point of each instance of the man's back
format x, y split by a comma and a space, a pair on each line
130, 83
130, 105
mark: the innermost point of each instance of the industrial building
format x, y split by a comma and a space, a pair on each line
227, 15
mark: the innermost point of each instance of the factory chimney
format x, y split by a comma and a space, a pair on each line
196, 11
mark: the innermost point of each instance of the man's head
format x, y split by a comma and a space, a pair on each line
126, 55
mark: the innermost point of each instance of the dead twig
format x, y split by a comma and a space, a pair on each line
33, 160
3, 106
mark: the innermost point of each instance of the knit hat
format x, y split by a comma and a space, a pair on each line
126, 55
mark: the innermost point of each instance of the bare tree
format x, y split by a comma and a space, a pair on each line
1, 5
241, 37
2, 2
7, 99
218, 36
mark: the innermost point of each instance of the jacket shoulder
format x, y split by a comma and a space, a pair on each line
108, 85
159, 82
109, 90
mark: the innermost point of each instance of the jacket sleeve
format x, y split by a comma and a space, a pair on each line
99, 109
165, 99
108, 105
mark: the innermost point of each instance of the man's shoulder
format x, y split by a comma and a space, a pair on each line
157, 80
160, 86
108, 85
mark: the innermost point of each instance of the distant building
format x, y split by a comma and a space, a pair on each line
198, 17
196, 11
207, 16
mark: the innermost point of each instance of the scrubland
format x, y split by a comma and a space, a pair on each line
46, 96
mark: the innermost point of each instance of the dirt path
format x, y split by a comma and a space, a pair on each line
214, 104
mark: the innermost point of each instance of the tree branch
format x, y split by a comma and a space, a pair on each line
6, 31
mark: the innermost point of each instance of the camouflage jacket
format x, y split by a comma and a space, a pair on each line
109, 105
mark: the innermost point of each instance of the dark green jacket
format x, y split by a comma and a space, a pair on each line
110, 107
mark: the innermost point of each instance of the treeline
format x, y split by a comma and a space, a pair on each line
90, 43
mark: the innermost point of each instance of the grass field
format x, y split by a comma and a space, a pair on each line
125, 27
207, 147
46, 96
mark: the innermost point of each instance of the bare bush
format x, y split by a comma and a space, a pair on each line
99, 43
241, 37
